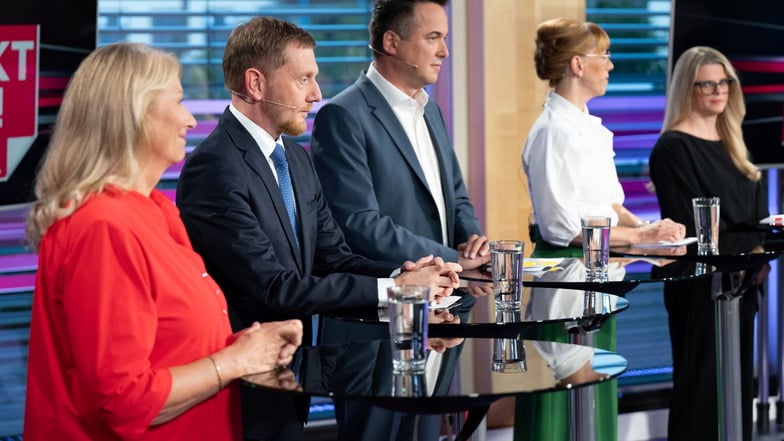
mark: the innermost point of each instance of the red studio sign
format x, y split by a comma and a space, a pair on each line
18, 94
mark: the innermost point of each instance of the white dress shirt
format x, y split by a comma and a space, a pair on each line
568, 158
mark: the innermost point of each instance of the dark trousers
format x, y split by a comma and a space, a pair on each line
269, 415
694, 403
366, 370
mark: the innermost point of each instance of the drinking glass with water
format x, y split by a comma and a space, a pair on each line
706, 224
596, 247
506, 263
408, 311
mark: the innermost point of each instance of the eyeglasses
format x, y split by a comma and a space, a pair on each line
711, 87
606, 56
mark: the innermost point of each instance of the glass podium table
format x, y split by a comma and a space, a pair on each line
477, 317
580, 311
627, 270
555, 293
741, 255
550, 277
332, 370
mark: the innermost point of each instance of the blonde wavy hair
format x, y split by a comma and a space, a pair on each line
99, 137
679, 104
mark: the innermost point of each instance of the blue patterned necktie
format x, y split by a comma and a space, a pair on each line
284, 183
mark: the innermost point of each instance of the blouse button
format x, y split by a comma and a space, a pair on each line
217, 292
224, 312
204, 275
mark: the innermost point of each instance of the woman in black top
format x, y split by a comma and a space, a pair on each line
701, 153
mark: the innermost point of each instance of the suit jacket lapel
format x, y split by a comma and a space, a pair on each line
386, 116
440, 143
388, 119
252, 155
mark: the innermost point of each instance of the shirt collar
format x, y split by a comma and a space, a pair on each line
262, 138
392, 94
570, 110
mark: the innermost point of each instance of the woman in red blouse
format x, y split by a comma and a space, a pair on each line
130, 337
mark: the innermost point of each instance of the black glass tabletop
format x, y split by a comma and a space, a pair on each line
625, 272
363, 370
475, 315
739, 249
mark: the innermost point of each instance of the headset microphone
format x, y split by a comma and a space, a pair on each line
412, 65
292, 108
249, 100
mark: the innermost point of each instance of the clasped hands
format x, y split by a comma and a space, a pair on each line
261, 348
442, 277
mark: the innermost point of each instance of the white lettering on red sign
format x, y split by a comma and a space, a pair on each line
19, 45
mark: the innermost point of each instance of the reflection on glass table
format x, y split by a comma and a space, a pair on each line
738, 250
570, 272
508, 352
475, 315
508, 355
409, 384
574, 364
334, 371
548, 299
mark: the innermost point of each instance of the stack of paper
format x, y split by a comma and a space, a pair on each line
776, 220
666, 244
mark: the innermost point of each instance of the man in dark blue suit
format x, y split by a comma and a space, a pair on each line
254, 209
385, 160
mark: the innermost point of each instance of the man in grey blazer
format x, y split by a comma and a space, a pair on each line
254, 209
389, 172
383, 153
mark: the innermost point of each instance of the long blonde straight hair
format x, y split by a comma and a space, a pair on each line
99, 136
679, 104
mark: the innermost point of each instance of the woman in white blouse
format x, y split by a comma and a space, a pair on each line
568, 155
